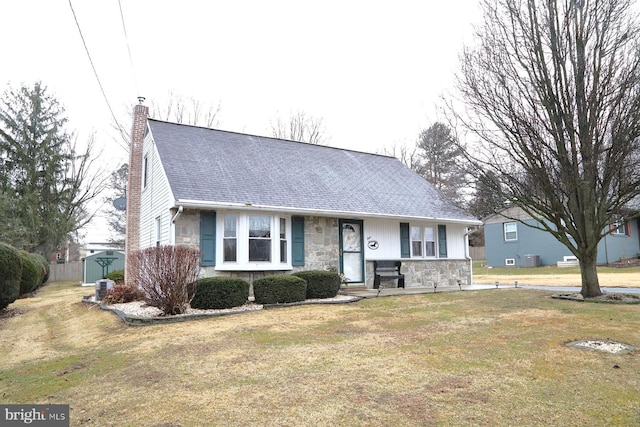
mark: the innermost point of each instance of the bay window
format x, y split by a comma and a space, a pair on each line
259, 238
230, 239
253, 241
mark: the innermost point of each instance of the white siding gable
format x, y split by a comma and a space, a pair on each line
156, 199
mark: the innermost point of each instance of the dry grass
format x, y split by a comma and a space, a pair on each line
493, 357
554, 276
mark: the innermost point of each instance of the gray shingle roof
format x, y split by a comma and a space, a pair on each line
213, 166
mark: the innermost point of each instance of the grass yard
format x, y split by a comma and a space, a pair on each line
554, 276
493, 357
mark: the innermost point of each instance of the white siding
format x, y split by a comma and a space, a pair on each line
156, 199
387, 235
456, 241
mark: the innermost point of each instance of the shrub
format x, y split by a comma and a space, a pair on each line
166, 274
116, 275
279, 289
31, 276
220, 292
10, 274
121, 293
320, 283
44, 264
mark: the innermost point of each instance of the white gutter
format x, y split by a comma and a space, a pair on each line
197, 204
175, 217
173, 224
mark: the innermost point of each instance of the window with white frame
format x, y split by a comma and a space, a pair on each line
158, 231
259, 238
429, 242
283, 240
230, 239
423, 241
510, 231
145, 171
416, 241
619, 226
251, 240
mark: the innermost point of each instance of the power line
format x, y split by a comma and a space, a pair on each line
95, 72
126, 38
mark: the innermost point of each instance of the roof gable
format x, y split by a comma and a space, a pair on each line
220, 167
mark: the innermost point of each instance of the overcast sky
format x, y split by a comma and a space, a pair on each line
372, 70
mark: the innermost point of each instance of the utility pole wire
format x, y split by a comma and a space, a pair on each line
95, 72
126, 38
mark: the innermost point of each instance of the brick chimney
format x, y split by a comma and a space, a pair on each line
134, 188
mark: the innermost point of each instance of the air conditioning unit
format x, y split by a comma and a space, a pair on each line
102, 286
532, 260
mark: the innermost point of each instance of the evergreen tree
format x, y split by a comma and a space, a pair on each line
45, 183
442, 161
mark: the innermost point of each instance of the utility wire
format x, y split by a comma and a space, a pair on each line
126, 38
95, 72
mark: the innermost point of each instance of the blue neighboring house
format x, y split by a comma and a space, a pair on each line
509, 241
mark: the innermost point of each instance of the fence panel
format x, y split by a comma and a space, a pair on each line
66, 272
477, 252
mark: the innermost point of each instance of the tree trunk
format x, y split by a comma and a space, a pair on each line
589, 273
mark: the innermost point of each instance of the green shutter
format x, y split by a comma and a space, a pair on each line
297, 240
442, 241
405, 243
208, 238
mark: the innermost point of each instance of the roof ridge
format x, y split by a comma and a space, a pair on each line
271, 137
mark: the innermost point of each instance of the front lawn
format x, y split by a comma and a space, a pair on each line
493, 357
554, 276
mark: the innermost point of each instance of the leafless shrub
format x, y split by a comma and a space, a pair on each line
166, 275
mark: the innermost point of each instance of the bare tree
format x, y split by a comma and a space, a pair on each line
189, 111
553, 94
409, 156
177, 109
117, 218
300, 127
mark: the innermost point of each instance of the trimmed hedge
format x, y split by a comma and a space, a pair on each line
44, 264
220, 292
320, 283
279, 289
31, 277
10, 274
116, 275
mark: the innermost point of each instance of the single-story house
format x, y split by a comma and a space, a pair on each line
257, 205
509, 241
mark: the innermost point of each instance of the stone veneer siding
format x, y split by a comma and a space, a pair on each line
322, 246
428, 273
321, 241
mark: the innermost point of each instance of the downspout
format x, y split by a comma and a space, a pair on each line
466, 255
173, 223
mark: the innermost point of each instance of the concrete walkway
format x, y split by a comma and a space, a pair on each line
370, 293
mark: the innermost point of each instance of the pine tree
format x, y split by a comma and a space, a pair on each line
45, 183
